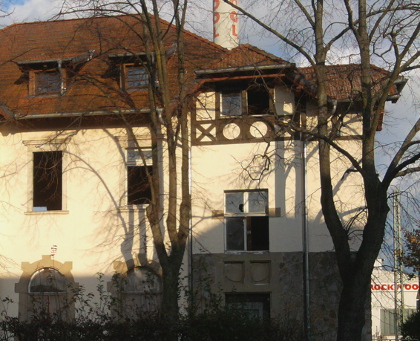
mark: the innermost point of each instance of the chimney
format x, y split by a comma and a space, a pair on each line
225, 29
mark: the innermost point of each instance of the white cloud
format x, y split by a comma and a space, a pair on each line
30, 10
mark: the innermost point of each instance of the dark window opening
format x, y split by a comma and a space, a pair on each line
257, 233
258, 100
252, 231
253, 305
47, 181
48, 82
138, 186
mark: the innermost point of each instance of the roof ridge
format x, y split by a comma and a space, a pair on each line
169, 24
260, 51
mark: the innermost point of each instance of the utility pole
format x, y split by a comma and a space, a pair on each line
398, 267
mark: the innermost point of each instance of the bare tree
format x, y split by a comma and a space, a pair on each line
169, 104
387, 33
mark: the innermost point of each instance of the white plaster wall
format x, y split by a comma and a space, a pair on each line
221, 167
218, 168
384, 298
284, 101
92, 231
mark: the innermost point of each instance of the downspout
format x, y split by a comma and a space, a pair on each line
62, 77
305, 242
190, 236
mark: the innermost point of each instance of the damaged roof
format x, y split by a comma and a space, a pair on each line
344, 82
91, 48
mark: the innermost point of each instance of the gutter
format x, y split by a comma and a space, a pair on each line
79, 114
245, 68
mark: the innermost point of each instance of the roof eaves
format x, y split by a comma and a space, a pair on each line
41, 61
244, 68
84, 114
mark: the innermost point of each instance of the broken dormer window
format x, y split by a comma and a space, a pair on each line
135, 76
47, 82
46, 79
255, 100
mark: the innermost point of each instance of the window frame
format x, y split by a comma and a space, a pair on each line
125, 81
244, 95
49, 182
247, 215
234, 300
48, 88
226, 111
135, 160
47, 145
27, 298
34, 77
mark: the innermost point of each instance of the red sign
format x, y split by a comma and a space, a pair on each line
391, 287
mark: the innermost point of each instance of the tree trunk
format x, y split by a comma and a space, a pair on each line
357, 278
170, 292
351, 311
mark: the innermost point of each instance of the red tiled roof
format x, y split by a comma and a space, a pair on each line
97, 89
247, 55
66, 39
344, 82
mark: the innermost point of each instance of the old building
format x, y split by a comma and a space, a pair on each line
394, 299
74, 188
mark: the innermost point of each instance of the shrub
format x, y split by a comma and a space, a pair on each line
411, 327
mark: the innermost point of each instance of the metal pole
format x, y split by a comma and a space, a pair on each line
398, 270
305, 242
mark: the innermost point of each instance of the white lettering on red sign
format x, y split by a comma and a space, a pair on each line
391, 287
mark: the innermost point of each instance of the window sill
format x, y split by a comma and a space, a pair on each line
231, 252
52, 94
134, 89
131, 208
58, 212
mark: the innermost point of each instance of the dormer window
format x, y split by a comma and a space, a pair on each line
255, 100
46, 79
47, 82
135, 70
135, 76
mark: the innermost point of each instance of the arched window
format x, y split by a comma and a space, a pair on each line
46, 290
48, 293
140, 293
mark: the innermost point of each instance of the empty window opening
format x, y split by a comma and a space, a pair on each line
138, 186
258, 100
246, 220
47, 181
